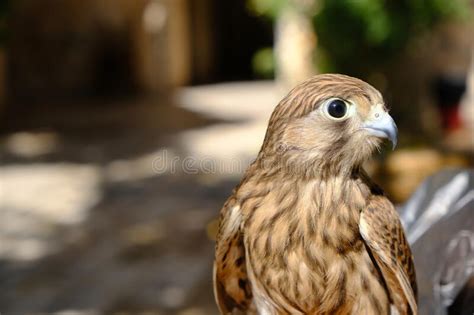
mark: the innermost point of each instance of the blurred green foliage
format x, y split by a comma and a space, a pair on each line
263, 63
355, 35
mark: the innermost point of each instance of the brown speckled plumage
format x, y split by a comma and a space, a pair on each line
306, 231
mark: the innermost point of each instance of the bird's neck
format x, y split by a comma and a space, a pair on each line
345, 181
310, 170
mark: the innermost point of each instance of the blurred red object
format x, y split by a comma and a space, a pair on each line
448, 92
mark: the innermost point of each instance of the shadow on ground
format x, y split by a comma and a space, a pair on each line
90, 225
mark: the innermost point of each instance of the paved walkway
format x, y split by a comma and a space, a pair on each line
100, 215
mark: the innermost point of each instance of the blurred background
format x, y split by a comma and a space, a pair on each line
125, 124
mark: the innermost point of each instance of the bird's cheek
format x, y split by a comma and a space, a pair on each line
299, 137
360, 147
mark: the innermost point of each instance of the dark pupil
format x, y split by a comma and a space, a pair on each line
337, 109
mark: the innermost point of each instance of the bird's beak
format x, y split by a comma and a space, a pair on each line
381, 124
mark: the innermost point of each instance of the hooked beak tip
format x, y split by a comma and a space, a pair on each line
389, 134
394, 141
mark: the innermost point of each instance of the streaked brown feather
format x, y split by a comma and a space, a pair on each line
231, 286
382, 231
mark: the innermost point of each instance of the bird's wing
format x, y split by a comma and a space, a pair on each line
231, 285
383, 234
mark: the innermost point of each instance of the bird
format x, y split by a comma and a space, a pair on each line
307, 231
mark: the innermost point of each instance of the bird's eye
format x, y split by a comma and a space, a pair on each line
337, 108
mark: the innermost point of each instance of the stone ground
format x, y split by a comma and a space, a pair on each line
100, 213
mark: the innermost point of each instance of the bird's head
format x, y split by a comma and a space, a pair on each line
330, 123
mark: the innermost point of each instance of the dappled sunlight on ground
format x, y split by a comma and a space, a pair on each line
232, 145
30, 145
95, 220
37, 199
